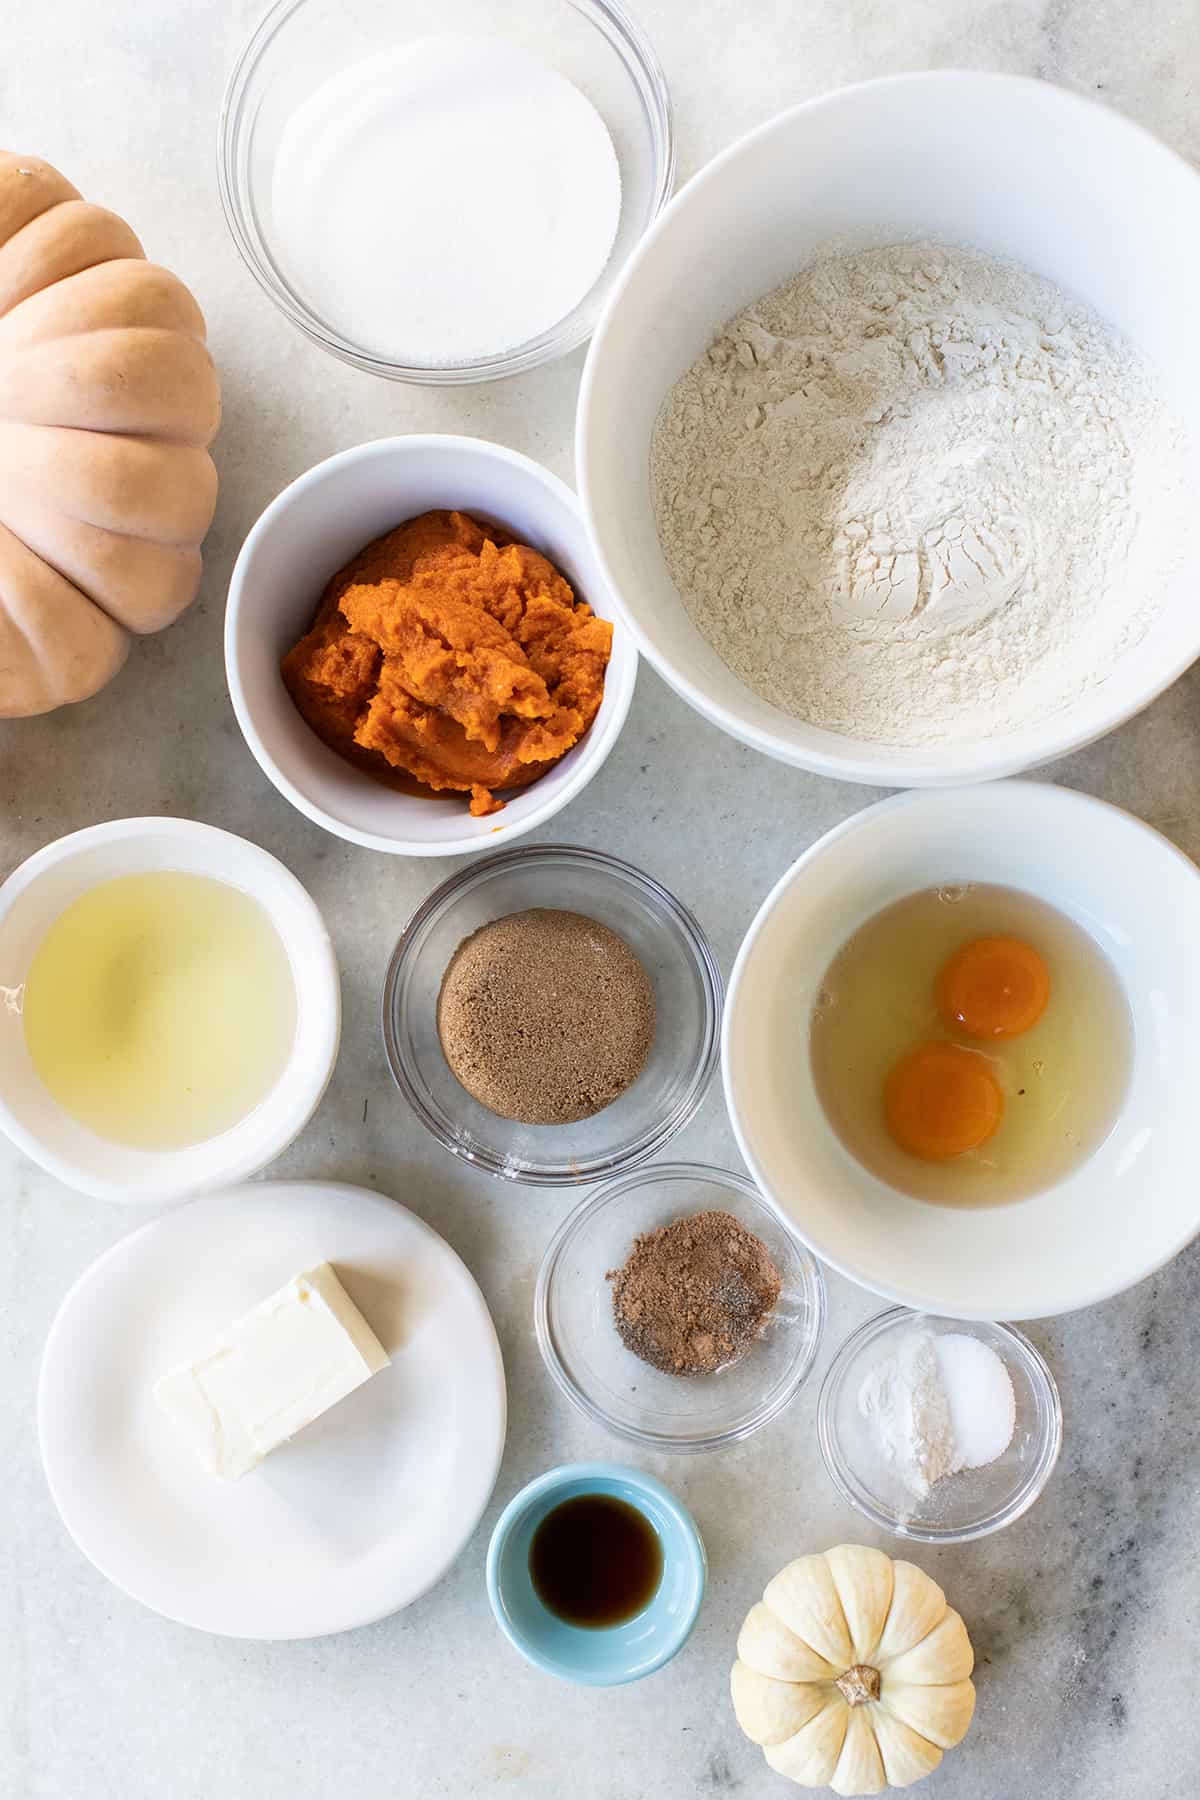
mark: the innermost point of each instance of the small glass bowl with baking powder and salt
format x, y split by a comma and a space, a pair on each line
436, 197
584, 1351
879, 1391
665, 939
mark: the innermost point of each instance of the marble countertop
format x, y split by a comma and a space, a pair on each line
1085, 1614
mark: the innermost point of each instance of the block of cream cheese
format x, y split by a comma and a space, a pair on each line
272, 1372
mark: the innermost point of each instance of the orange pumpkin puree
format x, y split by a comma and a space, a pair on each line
448, 655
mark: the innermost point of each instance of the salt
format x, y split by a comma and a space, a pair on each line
446, 201
979, 1393
942, 1402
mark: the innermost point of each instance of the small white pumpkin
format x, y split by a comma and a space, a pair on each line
853, 1673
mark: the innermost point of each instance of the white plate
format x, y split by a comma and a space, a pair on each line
360, 1513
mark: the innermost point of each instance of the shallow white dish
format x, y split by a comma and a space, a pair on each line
1119, 1216
309, 532
1014, 167
32, 898
357, 1515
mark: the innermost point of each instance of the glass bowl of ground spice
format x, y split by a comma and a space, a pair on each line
675, 1308
552, 1015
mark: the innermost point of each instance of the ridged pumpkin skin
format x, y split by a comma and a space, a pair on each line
108, 401
853, 1673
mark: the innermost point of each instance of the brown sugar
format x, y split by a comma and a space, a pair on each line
694, 1295
545, 1016
446, 655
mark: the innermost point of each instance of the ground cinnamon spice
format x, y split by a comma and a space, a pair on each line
694, 1295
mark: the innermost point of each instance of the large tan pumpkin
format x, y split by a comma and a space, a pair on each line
108, 401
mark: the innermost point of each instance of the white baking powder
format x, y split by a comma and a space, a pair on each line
447, 200
940, 1403
919, 494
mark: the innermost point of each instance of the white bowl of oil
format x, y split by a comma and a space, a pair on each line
1051, 1163
171, 1010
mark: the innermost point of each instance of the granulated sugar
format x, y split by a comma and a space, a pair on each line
919, 494
447, 200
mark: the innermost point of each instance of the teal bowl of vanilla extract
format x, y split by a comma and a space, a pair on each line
596, 1573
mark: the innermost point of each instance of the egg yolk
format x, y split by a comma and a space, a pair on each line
994, 987
941, 1100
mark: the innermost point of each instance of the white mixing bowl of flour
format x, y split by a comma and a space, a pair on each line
1009, 167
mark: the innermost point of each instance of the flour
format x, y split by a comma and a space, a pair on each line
920, 495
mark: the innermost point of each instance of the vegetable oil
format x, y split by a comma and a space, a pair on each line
159, 1009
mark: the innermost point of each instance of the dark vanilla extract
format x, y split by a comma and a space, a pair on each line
595, 1561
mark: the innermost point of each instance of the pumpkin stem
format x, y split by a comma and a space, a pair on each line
859, 1684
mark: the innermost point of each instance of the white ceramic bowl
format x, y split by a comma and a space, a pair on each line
306, 535
1013, 167
1119, 1216
40, 889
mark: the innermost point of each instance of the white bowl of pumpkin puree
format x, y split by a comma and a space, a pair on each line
420, 648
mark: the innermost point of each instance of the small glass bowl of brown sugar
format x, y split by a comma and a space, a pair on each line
675, 1308
552, 1015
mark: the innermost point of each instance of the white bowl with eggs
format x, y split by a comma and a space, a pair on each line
309, 532
33, 898
1012, 167
1114, 1218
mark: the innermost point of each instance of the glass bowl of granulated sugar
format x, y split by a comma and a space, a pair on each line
443, 201
675, 1308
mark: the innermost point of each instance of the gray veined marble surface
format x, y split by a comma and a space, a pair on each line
1086, 1614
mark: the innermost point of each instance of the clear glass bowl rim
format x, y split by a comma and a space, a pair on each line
615, 24
632, 1156
847, 1484
762, 1415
